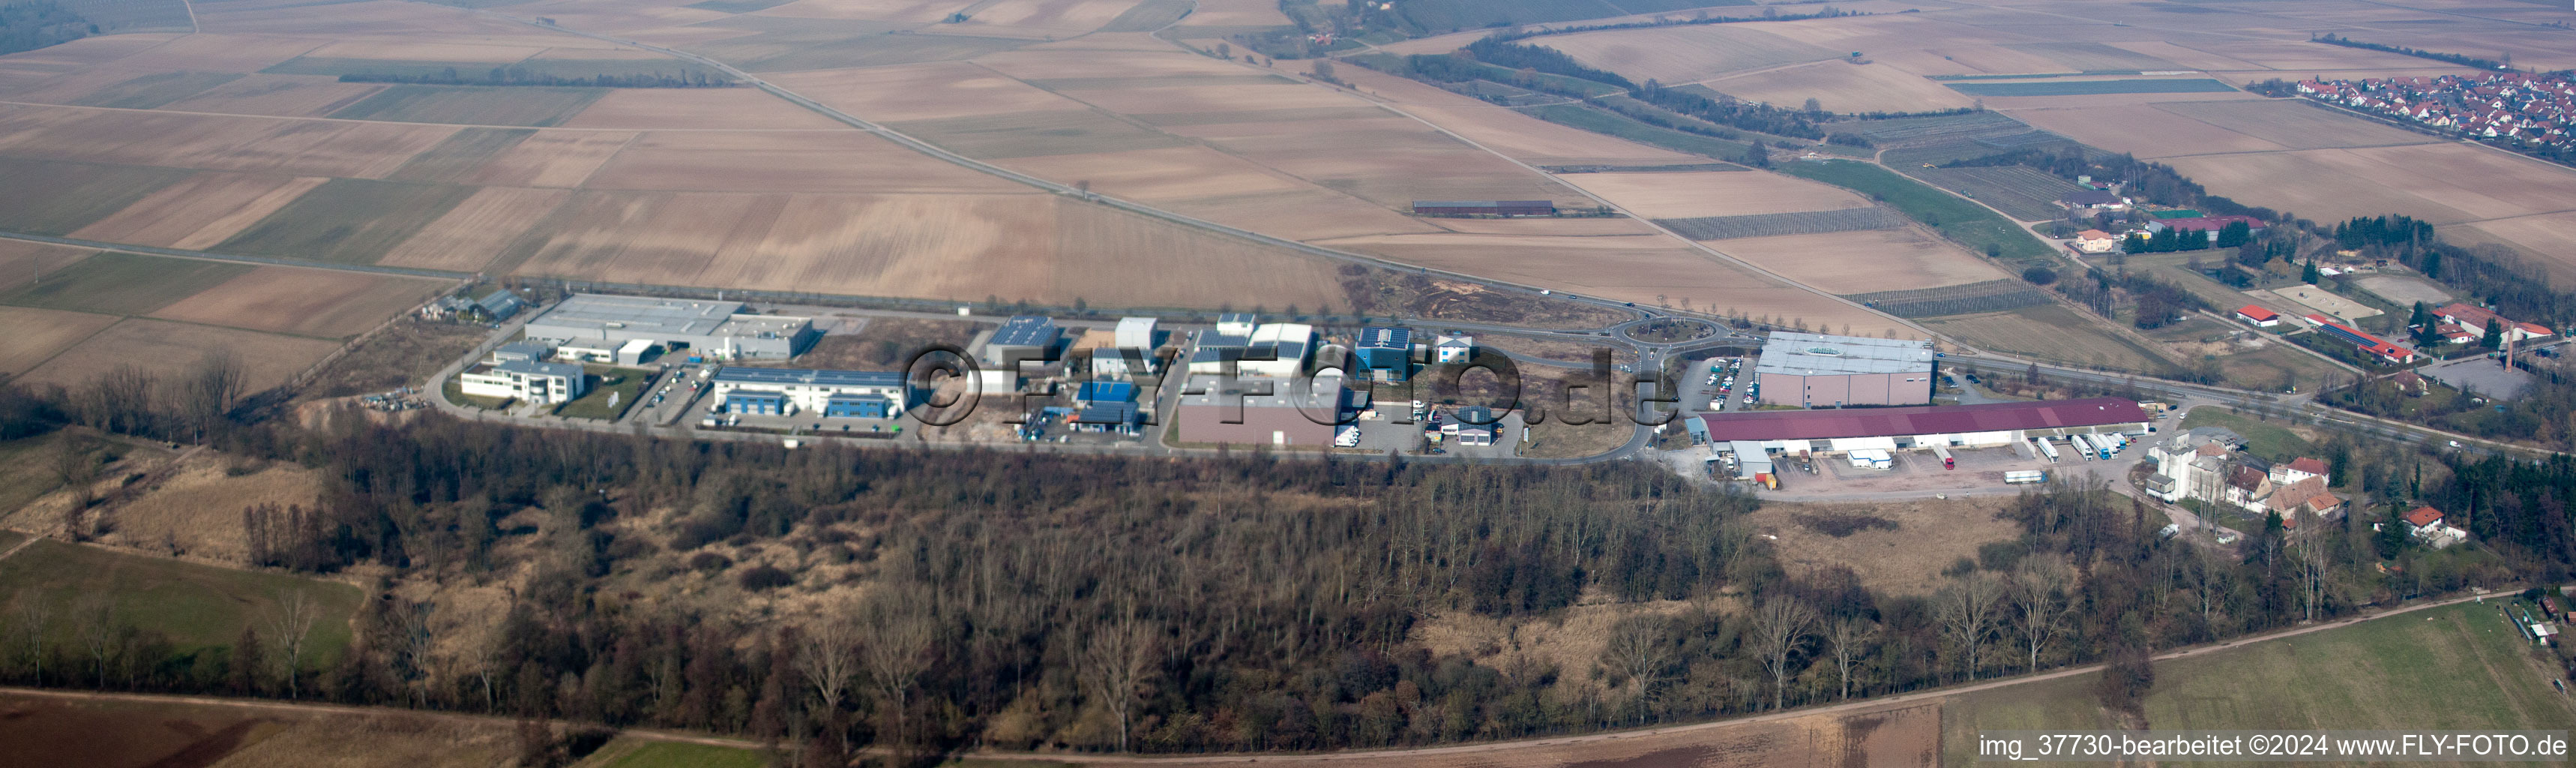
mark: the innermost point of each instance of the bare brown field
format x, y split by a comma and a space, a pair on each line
159, 734
2193, 58
216, 142
1056, 18
1303, 214
199, 506
662, 238
1642, 269
1247, 13
1515, 135
37, 334
167, 348
1684, 54
427, 50
2543, 237
2472, 183
279, 95
2294, 123
1390, 161
84, 52
554, 158
2091, 101
699, 108
1038, 63
1215, 97
1930, 534
915, 11
2145, 130
469, 236
200, 211
2299, 56
819, 161
22, 261
933, 91
1713, 193
1843, 87
1866, 261
1621, 225
303, 302
1201, 182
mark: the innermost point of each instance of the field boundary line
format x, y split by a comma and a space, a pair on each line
180, 253
24, 543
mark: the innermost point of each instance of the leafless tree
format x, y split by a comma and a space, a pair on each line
2039, 594
827, 657
1780, 627
34, 616
119, 400
1966, 611
1119, 659
893, 649
2210, 580
76, 466
2314, 570
1638, 650
290, 621
416, 640
208, 393
94, 626
1849, 640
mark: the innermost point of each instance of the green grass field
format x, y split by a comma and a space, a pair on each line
25, 472
53, 198
626, 384
122, 284
194, 605
2265, 439
2452, 668
1604, 121
348, 221
529, 105
1969, 224
2091, 87
2053, 333
2276, 367
667, 754
153, 91
460, 155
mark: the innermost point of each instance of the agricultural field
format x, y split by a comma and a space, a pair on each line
154, 90
23, 262
1614, 124
278, 95
637, 753
2277, 367
2022, 192
57, 198
1962, 221
147, 733
1840, 86
304, 302
193, 605
472, 104
2294, 123
1677, 55
36, 335
199, 211
2090, 87
1706, 194
116, 147
2543, 237
456, 159
2054, 333
470, 235
1776, 224
1865, 261
122, 284
2455, 667
1988, 296
347, 221
167, 348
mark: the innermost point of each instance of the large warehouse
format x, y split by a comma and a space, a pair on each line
1949, 426
1812, 370
832, 394
693, 327
1292, 414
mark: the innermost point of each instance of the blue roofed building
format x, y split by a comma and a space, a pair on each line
1385, 354
834, 394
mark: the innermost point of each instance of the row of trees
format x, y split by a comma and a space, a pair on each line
26, 26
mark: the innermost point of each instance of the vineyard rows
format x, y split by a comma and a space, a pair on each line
1771, 224
2023, 192
1988, 296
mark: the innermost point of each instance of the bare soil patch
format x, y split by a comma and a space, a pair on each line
645, 108
1688, 195
304, 302
1865, 261
1896, 546
405, 354
167, 348
1841, 86
200, 211
795, 161
477, 230
552, 159
37, 334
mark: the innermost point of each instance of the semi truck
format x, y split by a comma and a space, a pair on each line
2045, 448
2102, 446
1946, 461
2019, 477
2083, 450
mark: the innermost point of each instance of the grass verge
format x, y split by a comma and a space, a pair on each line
2265, 439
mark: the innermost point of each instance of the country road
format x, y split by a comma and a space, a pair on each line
1675, 735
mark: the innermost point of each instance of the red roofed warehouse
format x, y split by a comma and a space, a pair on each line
2473, 322
2259, 316
2395, 355
1843, 430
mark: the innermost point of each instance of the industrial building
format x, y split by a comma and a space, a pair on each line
526, 380
833, 394
1810, 370
1023, 337
1484, 208
720, 330
1383, 354
1276, 350
1292, 412
1453, 349
1131, 351
2474, 320
2391, 353
1947, 426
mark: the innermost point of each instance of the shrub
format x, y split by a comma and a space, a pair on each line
761, 577
709, 561
2039, 275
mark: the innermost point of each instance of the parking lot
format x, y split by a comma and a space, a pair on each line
1918, 470
2481, 374
1383, 434
1698, 396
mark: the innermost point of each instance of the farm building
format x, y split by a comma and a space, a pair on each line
1484, 208
2094, 200
1925, 426
2094, 241
2395, 355
2474, 321
526, 380
716, 329
2207, 225
1384, 354
1283, 413
834, 394
1815, 369
2258, 316
1024, 337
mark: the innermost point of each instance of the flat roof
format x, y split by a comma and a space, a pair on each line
1379, 337
735, 374
1326, 393
640, 315
532, 367
1026, 331
1921, 419
1818, 354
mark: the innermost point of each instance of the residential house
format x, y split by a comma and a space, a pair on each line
2094, 241
2428, 525
2472, 321
2298, 469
